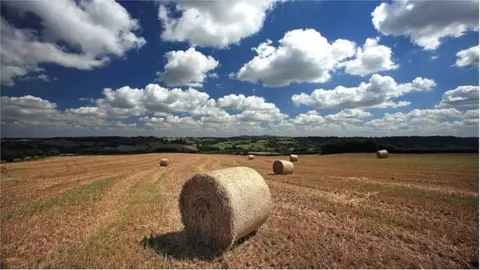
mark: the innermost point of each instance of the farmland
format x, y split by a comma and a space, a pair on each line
334, 211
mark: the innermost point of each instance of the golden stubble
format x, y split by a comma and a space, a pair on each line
338, 211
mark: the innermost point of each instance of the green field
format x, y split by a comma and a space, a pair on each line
259, 145
245, 144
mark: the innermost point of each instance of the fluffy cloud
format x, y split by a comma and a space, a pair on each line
465, 95
213, 23
188, 67
414, 118
266, 117
28, 115
242, 102
159, 99
21, 53
33, 116
171, 110
426, 23
157, 103
378, 92
347, 122
471, 114
470, 119
170, 121
301, 56
347, 116
444, 121
162, 102
252, 108
88, 111
468, 57
222, 118
34, 112
124, 97
121, 103
311, 118
126, 101
97, 29
370, 59
26, 106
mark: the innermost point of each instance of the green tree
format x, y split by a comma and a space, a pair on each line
7, 156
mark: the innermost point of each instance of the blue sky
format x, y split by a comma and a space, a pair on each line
418, 75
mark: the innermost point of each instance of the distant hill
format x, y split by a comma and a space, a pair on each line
21, 148
13, 149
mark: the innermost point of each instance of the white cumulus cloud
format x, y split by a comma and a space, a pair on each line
213, 23
26, 106
87, 111
188, 67
313, 119
468, 57
378, 92
462, 96
34, 116
370, 59
426, 23
242, 102
95, 29
301, 56
441, 121
159, 99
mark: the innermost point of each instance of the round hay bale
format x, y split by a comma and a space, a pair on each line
293, 158
282, 167
250, 157
220, 207
164, 162
382, 154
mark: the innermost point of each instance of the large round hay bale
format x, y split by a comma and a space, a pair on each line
222, 206
382, 154
250, 157
293, 158
164, 162
282, 167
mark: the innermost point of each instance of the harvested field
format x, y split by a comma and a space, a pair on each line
337, 211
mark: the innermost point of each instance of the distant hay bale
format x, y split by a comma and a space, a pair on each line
282, 167
220, 207
164, 162
250, 157
293, 158
382, 154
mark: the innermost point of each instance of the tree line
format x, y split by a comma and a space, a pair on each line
15, 149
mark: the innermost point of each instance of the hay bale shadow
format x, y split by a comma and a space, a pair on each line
178, 245
3, 264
